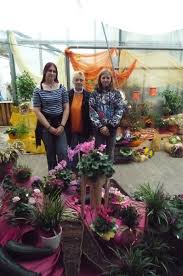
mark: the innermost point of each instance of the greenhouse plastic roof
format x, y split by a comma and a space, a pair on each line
50, 19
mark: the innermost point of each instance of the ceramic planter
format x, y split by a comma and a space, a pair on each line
52, 242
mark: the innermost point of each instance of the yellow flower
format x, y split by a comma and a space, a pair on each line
109, 235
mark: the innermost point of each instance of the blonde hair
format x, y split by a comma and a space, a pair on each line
79, 74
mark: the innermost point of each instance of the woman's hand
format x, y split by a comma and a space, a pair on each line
105, 131
59, 130
53, 130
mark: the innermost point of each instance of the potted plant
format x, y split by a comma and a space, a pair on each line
104, 225
22, 205
60, 176
22, 173
94, 167
127, 232
25, 86
157, 202
8, 157
172, 102
132, 261
11, 131
24, 107
22, 130
48, 220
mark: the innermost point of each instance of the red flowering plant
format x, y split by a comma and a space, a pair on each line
92, 161
104, 225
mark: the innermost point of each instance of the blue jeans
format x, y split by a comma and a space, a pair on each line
109, 141
56, 148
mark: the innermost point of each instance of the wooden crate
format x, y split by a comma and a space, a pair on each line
5, 113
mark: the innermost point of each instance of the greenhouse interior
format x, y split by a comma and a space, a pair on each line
91, 139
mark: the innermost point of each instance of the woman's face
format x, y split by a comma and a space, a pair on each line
51, 73
105, 80
78, 82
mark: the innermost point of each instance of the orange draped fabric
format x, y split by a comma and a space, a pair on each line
92, 64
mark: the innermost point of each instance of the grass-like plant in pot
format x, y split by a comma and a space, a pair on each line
131, 261
159, 251
48, 220
157, 206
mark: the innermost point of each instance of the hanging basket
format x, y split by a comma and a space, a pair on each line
136, 95
152, 91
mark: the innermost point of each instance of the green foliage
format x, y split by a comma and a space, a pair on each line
159, 122
25, 86
95, 164
50, 216
21, 129
131, 262
65, 175
160, 253
157, 205
176, 208
22, 173
129, 216
11, 130
11, 153
173, 102
103, 225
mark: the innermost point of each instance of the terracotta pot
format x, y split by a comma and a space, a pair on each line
136, 95
152, 91
12, 136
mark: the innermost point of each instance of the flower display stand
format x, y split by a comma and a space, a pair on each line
95, 192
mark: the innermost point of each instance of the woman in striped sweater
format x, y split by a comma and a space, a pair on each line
51, 106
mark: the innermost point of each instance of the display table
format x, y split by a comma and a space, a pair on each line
5, 112
53, 265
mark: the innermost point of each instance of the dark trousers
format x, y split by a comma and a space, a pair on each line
109, 141
75, 140
56, 148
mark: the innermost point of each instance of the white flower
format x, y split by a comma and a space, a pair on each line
15, 199
37, 191
27, 195
32, 200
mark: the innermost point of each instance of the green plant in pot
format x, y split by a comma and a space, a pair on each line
48, 220
132, 261
25, 86
172, 102
22, 130
11, 131
159, 251
157, 206
22, 173
8, 158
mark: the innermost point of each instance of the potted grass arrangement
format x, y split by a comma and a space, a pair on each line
48, 220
